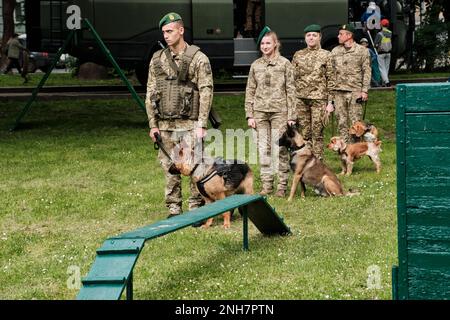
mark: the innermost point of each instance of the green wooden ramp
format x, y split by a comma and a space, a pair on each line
112, 271
423, 192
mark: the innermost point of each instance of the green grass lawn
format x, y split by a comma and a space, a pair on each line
66, 79
78, 172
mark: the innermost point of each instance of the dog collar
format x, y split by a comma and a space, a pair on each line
295, 148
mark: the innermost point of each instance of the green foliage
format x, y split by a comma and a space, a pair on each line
80, 171
431, 46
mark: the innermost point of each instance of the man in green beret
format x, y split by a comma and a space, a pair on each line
313, 78
352, 74
178, 101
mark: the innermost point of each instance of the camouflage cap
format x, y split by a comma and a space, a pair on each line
348, 27
168, 18
312, 28
262, 34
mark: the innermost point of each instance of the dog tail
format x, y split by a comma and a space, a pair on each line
352, 192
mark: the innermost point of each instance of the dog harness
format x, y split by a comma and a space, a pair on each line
201, 184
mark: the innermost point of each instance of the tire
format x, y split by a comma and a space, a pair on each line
44, 68
141, 71
32, 66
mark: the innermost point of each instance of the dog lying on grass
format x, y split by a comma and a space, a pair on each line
215, 178
349, 153
307, 168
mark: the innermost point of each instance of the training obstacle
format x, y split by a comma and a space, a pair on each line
423, 198
112, 270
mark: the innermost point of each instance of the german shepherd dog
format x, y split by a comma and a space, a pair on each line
307, 168
215, 178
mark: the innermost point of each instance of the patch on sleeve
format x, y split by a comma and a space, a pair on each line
208, 68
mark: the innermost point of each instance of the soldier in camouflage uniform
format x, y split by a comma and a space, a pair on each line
253, 17
352, 74
269, 106
313, 76
178, 101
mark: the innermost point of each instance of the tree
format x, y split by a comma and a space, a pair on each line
432, 42
8, 22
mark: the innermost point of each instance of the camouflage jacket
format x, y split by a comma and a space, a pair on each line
200, 74
352, 69
313, 73
270, 87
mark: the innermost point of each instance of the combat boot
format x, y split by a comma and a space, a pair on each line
280, 193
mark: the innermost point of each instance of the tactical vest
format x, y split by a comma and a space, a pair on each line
177, 97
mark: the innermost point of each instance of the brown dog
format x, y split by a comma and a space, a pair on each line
351, 152
215, 178
361, 131
307, 168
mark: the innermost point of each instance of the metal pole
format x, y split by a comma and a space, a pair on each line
245, 227
115, 65
130, 287
43, 80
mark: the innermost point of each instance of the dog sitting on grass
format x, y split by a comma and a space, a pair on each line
307, 168
215, 178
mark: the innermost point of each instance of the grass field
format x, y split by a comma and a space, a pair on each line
78, 172
66, 79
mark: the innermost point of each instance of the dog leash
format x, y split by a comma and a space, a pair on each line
159, 145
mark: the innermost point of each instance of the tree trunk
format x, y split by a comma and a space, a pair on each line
433, 18
446, 12
8, 23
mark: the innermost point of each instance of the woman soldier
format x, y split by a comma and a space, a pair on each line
313, 81
269, 106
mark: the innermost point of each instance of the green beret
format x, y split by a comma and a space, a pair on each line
348, 27
312, 28
168, 18
262, 34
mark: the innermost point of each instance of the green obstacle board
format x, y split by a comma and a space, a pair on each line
112, 271
423, 192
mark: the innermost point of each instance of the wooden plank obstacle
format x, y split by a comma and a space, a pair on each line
112, 270
423, 192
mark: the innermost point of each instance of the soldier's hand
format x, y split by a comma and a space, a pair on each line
152, 133
251, 123
329, 108
291, 122
364, 96
200, 133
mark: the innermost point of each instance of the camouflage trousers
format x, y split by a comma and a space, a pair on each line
253, 10
347, 111
273, 159
173, 195
310, 114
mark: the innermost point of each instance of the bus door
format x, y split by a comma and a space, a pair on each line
212, 30
289, 17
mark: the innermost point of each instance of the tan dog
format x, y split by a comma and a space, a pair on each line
351, 152
215, 178
362, 131
307, 168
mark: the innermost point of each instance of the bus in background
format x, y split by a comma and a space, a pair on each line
130, 30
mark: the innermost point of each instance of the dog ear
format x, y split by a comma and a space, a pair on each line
291, 130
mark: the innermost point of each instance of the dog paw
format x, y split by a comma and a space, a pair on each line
226, 226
